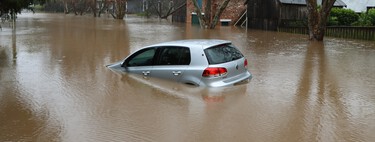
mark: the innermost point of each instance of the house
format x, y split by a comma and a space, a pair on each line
270, 14
179, 15
360, 5
231, 14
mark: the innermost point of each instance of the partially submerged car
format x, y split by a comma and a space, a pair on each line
200, 62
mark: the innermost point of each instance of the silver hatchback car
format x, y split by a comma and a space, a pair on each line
199, 62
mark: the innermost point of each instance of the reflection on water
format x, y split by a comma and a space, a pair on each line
54, 86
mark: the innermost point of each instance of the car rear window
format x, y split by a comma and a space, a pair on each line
222, 54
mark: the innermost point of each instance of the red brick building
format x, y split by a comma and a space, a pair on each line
233, 11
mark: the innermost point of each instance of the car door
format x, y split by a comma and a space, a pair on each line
141, 62
171, 62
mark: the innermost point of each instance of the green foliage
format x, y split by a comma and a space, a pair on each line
38, 7
371, 16
57, 6
364, 20
332, 21
342, 17
144, 14
14, 6
39, 2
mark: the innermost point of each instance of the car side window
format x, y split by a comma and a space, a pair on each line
142, 58
174, 56
185, 56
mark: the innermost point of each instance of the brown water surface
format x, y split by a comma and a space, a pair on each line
54, 86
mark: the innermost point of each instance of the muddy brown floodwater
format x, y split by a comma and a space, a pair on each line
54, 86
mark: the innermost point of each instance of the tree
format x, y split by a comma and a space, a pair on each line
208, 20
164, 8
366, 18
81, 6
103, 6
318, 17
13, 7
66, 3
342, 17
120, 9
363, 20
371, 15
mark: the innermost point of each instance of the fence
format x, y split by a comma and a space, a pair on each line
366, 33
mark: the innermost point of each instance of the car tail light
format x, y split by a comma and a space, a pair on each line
245, 63
214, 72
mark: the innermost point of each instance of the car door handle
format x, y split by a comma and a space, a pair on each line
176, 73
145, 73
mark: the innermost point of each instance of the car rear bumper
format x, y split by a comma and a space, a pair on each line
246, 76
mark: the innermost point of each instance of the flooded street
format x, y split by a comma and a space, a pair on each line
54, 86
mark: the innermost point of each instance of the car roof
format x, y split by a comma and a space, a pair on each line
203, 43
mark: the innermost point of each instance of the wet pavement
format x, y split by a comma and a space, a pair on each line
54, 86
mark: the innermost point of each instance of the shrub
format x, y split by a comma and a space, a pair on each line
371, 16
343, 17
332, 21
364, 20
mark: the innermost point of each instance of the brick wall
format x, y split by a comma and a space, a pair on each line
233, 11
189, 10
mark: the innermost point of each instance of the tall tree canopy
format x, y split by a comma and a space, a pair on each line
318, 17
14, 6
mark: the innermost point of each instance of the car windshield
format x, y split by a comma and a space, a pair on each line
222, 54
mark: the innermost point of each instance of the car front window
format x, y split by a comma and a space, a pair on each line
222, 54
142, 58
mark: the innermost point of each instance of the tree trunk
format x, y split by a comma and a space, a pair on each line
218, 13
94, 7
202, 21
317, 18
75, 8
13, 18
66, 9
207, 13
207, 21
103, 5
120, 9
172, 11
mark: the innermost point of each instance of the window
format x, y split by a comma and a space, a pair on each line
222, 54
174, 56
141, 58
